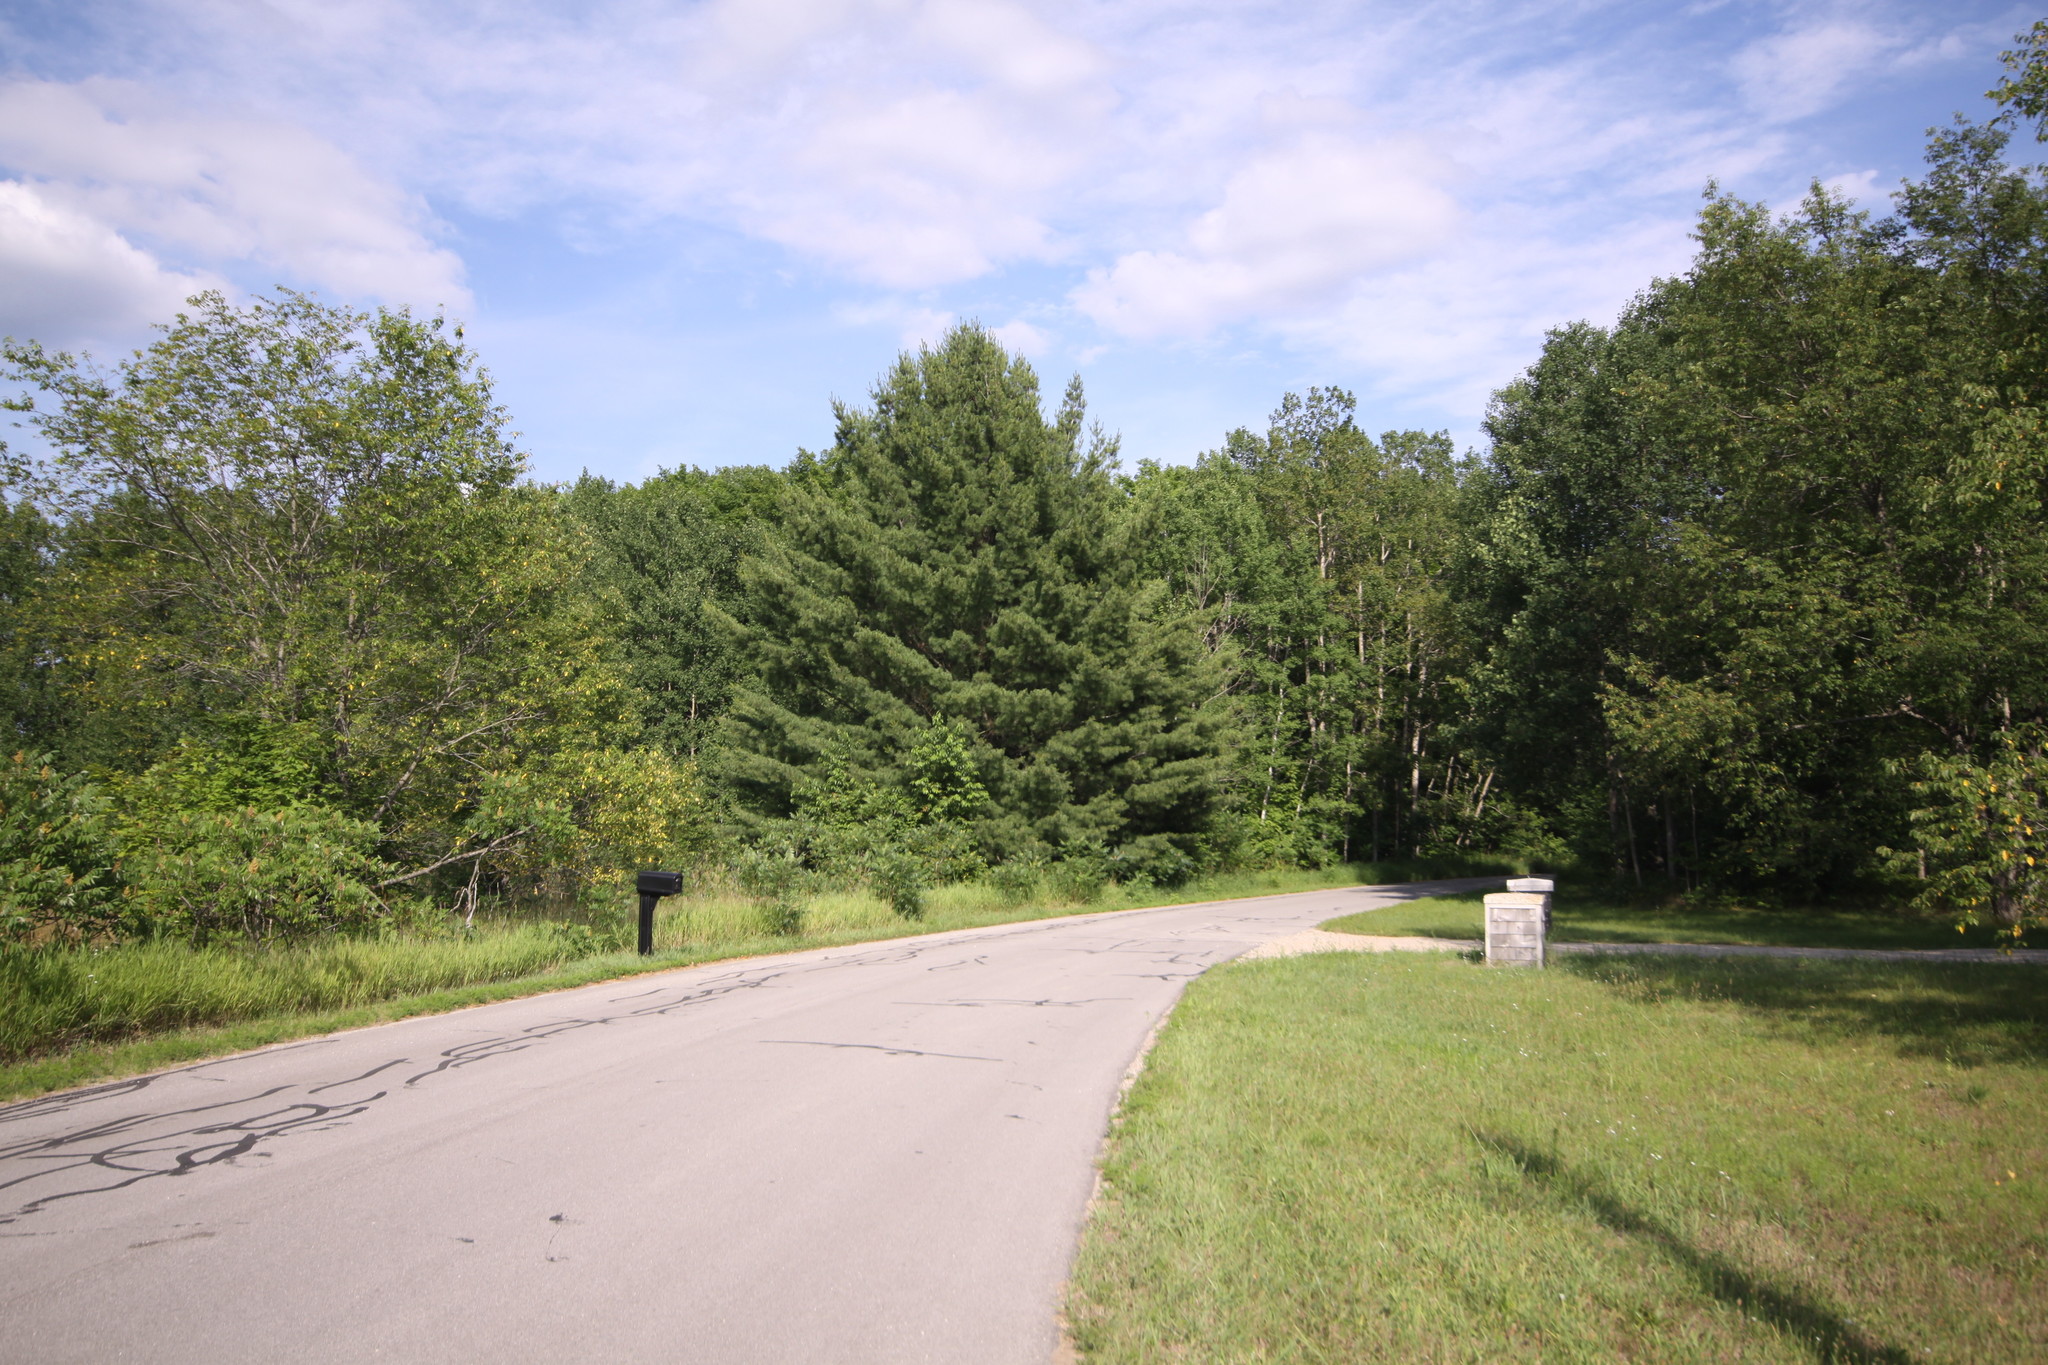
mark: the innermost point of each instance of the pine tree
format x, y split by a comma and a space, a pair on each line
955, 557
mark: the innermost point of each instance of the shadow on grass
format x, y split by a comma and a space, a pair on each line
1961, 1013
1831, 1338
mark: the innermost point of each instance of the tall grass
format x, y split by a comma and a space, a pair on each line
51, 997
58, 998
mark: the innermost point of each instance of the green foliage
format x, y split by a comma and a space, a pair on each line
298, 564
1081, 876
955, 557
250, 762
1728, 570
256, 875
57, 876
1017, 880
941, 776
1777, 534
1317, 560
29, 704
2025, 92
781, 883
670, 550
899, 877
1980, 835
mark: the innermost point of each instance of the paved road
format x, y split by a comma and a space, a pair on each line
872, 1154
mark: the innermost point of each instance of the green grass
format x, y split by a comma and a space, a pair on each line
1579, 916
71, 1016
1414, 1158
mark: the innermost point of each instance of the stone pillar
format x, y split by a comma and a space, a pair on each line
1542, 886
1515, 928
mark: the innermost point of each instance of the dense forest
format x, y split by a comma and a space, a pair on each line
1745, 595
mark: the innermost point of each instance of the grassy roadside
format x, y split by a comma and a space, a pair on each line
69, 1017
1581, 916
1408, 1157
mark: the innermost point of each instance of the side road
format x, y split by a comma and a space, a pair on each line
876, 1153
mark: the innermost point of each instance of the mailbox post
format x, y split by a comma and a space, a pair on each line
653, 886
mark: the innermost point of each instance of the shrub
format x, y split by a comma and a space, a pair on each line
1150, 861
256, 874
1080, 876
900, 878
783, 885
1981, 838
56, 855
1016, 881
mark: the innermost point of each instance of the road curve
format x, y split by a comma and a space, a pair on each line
879, 1153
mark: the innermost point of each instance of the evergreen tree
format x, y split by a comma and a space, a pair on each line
957, 557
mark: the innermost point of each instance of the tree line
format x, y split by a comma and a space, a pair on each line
1745, 594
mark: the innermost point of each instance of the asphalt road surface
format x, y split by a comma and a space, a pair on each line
869, 1154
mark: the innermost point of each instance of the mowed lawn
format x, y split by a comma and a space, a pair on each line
1593, 916
1412, 1157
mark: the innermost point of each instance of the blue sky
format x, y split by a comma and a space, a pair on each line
676, 232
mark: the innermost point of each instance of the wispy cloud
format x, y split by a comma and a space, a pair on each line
113, 183
1410, 191
1803, 70
1292, 225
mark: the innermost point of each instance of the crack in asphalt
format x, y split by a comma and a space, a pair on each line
108, 1155
1033, 1004
104, 1157
883, 1047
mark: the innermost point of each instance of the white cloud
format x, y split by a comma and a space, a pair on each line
914, 325
1023, 338
222, 191
905, 143
1399, 197
1292, 227
929, 188
1862, 187
1452, 328
1792, 74
66, 278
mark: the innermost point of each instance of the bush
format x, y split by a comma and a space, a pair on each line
1150, 861
1981, 836
900, 878
56, 856
1016, 881
783, 885
1080, 877
256, 874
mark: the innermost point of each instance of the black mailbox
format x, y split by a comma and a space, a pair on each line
653, 886
661, 883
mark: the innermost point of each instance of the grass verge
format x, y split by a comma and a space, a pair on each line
1406, 1157
72, 1016
1582, 916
